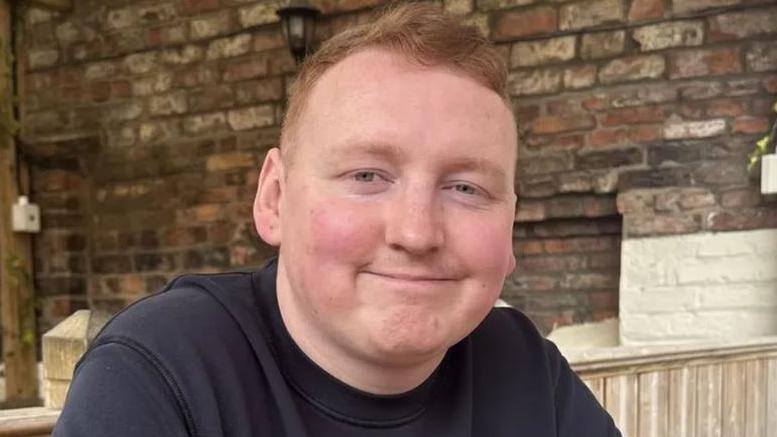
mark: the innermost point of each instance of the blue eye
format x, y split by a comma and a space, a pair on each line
365, 176
465, 189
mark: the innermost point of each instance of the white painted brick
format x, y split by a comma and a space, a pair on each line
719, 247
699, 287
738, 296
662, 300
725, 270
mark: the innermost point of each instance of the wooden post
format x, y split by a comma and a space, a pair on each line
63, 346
16, 288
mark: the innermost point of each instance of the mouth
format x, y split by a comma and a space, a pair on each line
411, 277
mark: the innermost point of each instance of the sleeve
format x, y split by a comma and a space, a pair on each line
578, 413
117, 391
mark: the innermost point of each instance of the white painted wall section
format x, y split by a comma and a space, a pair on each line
711, 286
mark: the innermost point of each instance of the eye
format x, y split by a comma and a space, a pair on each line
465, 189
365, 176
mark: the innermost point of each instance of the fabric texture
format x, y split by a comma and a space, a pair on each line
210, 356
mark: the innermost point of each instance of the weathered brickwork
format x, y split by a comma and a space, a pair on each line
634, 115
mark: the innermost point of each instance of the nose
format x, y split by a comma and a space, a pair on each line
414, 222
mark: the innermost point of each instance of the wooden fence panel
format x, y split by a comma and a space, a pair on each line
709, 406
682, 402
771, 393
653, 406
621, 398
733, 399
755, 398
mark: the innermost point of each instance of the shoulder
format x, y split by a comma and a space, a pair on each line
194, 316
188, 302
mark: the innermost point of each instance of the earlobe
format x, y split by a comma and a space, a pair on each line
267, 202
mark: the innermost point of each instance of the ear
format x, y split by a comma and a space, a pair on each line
511, 263
269, 192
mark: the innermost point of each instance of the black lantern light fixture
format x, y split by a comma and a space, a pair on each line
298, 19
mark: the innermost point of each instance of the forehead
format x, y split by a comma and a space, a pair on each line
378, 96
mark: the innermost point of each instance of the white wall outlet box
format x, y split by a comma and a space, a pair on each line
769, 174
26, 216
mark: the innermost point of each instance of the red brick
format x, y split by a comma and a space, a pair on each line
245, 69
725, 108
550, 124
627, 135
529, 247
525, 22
628, 116
711, 62
770, 83
604, 300
580, 244
599, 206
739, 219
530, 211
596, 103
646, 9
100, 91
741, 197
121, 89
573, 141
751, 125
553, 263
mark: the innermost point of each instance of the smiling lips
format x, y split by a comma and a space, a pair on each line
411, 277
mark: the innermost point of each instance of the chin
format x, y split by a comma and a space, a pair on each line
403, 339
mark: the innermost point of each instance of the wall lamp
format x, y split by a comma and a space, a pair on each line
298, 19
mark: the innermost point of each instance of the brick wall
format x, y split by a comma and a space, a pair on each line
146, 121
700, 286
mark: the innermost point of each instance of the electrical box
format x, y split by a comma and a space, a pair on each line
769, 174
26, 216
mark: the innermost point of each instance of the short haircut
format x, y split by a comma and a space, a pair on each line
421, 32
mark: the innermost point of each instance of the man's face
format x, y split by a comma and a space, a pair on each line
396, 214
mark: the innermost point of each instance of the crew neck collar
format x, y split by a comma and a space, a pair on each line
325, 392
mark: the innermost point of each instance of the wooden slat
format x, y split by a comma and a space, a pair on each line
682, 402
653, 413
37, 421
621, 397
611, 361
734, 399
708, 403
597, 388
771, 400
755, 398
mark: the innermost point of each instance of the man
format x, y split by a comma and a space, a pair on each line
391, 201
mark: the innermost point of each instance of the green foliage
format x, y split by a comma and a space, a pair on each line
761, 147
8, 124
20, 276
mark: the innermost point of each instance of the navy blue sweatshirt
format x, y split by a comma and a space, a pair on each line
210, 356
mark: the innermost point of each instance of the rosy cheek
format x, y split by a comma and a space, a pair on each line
492, 248
342, 232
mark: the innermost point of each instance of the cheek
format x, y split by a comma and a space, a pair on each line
342, 233
489, 250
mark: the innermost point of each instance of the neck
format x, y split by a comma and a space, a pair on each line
345, 364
